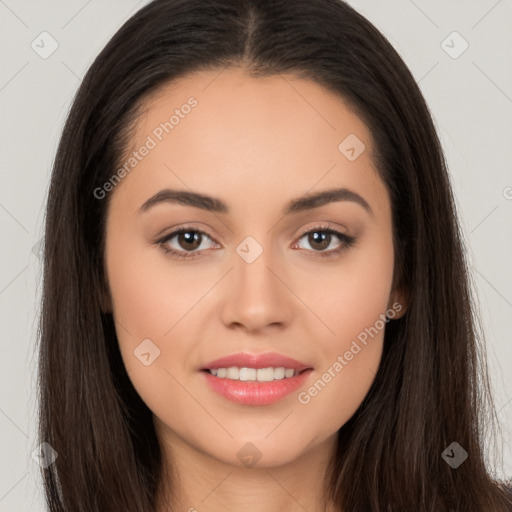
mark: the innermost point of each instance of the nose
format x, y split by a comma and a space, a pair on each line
256, 295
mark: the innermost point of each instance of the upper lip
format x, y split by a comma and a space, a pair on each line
266, 360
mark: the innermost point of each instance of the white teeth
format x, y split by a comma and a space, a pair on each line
234, 373
269, 374
243, 373
260, 374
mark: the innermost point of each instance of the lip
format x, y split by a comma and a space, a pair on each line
254, 392
265, 360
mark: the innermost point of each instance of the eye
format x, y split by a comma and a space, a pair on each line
188, 243
321, 238
191, 241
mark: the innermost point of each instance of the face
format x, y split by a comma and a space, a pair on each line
249, 273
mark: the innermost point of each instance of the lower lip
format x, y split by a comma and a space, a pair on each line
254, 392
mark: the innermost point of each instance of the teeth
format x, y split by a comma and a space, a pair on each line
260, 374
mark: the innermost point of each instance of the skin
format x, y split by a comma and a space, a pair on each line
255, 143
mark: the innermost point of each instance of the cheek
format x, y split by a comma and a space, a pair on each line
146, 309
154, 300
348, 366
352, 301
149, 294
351, 296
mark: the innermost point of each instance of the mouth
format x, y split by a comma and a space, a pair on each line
255, 379
248, 374
252, 391
243, 365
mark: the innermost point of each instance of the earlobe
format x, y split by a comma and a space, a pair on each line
104, 298
105, 304
103, 291
398, 304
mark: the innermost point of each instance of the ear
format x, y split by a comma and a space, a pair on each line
104, 294
398, 303
105, 300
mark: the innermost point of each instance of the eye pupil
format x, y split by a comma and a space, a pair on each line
192, 241
316, 237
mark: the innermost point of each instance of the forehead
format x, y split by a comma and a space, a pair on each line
276, 110
245, 137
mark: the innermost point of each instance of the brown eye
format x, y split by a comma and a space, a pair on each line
189, 240
319, 239
186, 242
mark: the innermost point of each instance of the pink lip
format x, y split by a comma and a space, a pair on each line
266, 360
253, 392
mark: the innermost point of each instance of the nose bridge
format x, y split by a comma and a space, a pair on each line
256, 297
252, 262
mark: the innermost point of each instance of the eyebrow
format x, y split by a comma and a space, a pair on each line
212, 204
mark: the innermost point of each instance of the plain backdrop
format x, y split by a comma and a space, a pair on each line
466, 78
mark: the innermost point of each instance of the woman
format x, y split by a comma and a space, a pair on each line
255, 291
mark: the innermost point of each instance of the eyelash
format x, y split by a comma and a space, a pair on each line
347, 241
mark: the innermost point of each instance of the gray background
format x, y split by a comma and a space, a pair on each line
470, 97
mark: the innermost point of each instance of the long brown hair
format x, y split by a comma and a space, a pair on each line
431, 388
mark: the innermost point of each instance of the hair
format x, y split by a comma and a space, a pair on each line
432, 387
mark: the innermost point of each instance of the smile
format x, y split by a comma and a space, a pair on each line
252, 390
254, 374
